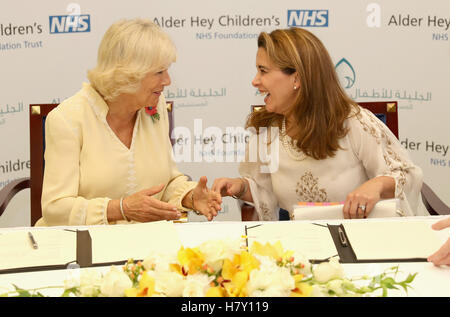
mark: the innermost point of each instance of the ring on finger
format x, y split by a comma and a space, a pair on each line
362, 207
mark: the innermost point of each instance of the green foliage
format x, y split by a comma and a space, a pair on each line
19, 292
74, 290
155, 117
385, 281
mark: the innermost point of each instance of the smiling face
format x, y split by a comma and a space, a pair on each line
277, 85
152, 86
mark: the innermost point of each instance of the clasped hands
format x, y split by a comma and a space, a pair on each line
142, 207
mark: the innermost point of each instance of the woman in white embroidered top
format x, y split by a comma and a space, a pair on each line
331, 150
108, 156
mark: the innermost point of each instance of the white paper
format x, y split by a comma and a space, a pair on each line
193, 234
383, 209
136, 241
374, 240
55, 247
313, 241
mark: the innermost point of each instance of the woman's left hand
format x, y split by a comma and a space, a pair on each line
206, 201
360, 202
441, 256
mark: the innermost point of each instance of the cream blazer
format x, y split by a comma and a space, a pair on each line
86, 165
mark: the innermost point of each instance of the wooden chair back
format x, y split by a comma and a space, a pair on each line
38, 113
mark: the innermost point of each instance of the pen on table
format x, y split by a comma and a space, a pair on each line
33, 242
342, 237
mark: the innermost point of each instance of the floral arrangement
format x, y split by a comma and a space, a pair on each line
225, 269
153, 112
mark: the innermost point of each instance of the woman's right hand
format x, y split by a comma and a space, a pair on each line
142, 207
228, 186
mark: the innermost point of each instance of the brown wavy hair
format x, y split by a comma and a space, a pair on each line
321, 106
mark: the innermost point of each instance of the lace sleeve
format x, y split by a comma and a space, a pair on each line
382, 155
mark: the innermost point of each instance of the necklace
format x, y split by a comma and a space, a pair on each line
290, 145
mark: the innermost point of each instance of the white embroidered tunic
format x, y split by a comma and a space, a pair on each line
368, 150
86, 165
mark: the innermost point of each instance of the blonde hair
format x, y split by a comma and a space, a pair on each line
129, 50
321, 106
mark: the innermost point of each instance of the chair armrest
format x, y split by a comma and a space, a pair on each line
432, 202
8, 192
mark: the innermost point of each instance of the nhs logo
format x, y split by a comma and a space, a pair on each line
70, 23
308, 18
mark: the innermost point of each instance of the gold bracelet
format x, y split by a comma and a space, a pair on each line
192, 203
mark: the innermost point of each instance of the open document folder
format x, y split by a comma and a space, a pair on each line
322, 211
58, 247
377, 239
55, 247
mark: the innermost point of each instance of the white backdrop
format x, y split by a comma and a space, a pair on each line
383, 50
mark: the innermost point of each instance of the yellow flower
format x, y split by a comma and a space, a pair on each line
298, 278
175, 268
241, 262
237, 273
228, 269
191, 260
131, 292
146, 287
248, 262
274, 251
216, 291
236, 288
302, 289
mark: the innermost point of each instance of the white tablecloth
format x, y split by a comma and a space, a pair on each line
430, 280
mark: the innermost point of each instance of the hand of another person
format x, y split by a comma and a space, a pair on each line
441, 256
228, 186
206, 201
142, 207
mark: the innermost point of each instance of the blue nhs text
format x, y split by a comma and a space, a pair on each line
308, 18
70, 23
